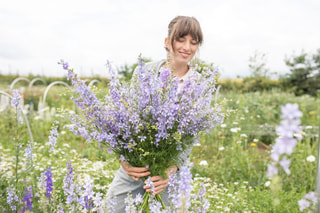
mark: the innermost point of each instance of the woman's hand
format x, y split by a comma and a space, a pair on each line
135, 172
159, 183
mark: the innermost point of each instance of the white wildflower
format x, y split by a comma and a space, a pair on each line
203, 163
243, 135
311, 158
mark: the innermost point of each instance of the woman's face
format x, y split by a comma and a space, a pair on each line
183, 49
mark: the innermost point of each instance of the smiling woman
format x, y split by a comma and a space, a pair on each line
184, 38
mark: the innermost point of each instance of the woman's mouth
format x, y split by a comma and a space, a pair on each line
185, 55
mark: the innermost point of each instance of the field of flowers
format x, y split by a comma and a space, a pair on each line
231, 161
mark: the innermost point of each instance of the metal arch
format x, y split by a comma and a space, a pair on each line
93, 81
34, 80
217, 93
25, 117
16, 80
48, 88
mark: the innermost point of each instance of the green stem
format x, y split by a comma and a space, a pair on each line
17, 154
145, 205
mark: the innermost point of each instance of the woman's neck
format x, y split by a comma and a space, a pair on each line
178, 69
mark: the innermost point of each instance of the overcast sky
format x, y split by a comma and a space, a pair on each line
35, 34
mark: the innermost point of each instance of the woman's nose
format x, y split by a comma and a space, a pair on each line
186, 45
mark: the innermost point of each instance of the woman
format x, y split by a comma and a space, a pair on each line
184, 38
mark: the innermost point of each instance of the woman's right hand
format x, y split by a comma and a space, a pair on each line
135, 172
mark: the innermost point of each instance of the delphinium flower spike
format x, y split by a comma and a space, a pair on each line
27, 198
49, 184
15, 102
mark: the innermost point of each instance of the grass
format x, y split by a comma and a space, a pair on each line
237, 152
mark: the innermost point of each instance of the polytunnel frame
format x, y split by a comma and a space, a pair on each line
25, 117
49, 87
34, 80
16, 80
93, 81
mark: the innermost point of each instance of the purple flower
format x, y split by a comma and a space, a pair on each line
28, 197
28, 153
272, 170
88, 203
129, 203
88, 193
12, 198
53, 137
155, 207
290, 111
97, 200
303, 204
202, 191
138, 199
204, 203
184, 188
15, 102
165, 74
68, 185
311, 196
286, 142
65, 66
49, 185
288, 128
122, 158
285, 163
285, 145
155, 113
149, 183
81, 201
112, 202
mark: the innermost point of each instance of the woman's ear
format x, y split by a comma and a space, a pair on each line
166, 43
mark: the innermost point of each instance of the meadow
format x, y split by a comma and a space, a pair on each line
231, 160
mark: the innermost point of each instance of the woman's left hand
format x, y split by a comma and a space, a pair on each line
159, 183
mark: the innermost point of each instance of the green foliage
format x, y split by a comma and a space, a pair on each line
305, 73
259, 84
237, 152
257, 65
240, 148
259, 79
201, 65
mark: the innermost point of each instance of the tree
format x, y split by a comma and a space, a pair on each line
259, 78
304, 76
257, 65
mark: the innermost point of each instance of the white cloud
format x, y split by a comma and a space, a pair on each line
36, 34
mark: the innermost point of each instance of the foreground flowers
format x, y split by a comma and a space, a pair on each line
288, 132
150, 122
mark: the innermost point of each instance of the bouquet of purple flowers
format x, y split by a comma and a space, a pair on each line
150, 121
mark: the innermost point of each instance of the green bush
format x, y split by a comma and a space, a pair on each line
304, 76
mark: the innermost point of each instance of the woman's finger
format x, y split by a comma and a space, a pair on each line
135, 172
159, 183
139, 175
138, 169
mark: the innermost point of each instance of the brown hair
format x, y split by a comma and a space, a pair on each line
181, 26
